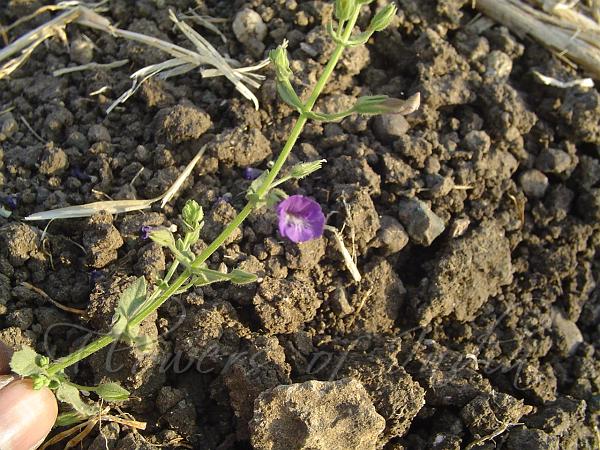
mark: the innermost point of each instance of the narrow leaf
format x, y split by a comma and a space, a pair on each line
112, 392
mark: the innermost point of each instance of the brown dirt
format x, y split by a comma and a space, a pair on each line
475, 222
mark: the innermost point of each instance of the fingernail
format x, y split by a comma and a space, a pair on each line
5, 380
26, 416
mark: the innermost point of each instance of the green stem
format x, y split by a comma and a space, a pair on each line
155, 303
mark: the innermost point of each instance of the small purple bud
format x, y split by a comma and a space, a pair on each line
95, 275
145, 231
250, 173
300, 218
80, 174
11, 201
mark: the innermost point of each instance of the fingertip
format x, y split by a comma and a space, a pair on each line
26, 415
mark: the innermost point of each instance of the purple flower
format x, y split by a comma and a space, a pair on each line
250, 173
11, 201
300, 218
145, 231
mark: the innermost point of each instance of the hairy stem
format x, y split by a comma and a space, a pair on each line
156, 301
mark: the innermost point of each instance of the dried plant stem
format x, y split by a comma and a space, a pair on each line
564, 35
162, 294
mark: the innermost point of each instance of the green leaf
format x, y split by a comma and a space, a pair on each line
68, 393
239, 276
274, 196
131, 301
192, 214
112, 392
69, 418
26, 362
163, 237
257, 183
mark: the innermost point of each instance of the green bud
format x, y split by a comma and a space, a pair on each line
382, 104
344, 9
383, 18
192, 214
280, 60
305, 169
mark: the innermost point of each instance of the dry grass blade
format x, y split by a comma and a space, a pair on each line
117, 206
206, 22
350, 265
90, 66
566, 31
181, 178
89, 209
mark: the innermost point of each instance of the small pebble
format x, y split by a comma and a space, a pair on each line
388, 127
250, 30
553, 160
422, 224
534, 183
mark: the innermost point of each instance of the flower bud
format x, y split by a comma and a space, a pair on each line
382, 104
383, 18
280, 60
344, 9
305, 169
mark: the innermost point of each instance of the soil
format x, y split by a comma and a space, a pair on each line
474, 221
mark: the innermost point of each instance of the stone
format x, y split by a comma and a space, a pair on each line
534, 183
391, 236
8, 126
387, 127
421, 223
553, 160
567, 334
250, 30
316, 415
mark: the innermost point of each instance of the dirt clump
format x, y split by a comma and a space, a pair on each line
316, 414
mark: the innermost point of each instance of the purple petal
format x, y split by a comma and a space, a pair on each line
300, 218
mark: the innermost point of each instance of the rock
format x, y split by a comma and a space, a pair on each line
531, 439
534, 183
387, 127
477, 141
484, 413
360, 216
241, 147
101, 240
558, 417
381, 295
98, 133
588, 204
567, 334
553, 160
339, 302
472, 269
8, 126
250, 30
391, 236
304, 255
260, 367
498, 65
283, 306
422, 224
81, 50
181, 123
316, 415
18, 242
54, 160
